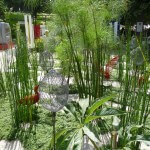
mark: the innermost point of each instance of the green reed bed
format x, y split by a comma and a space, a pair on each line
86, 39
133, 98
21, 77
2, 86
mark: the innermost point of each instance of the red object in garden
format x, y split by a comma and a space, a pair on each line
109, 67
141, 80
37, 31
107, 75
31, 99
6, 46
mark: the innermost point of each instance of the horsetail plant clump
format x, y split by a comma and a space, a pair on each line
21, 77
134, 96
2, 85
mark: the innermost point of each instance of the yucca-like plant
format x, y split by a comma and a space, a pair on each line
85, 115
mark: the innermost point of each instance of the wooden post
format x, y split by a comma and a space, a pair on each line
114, 135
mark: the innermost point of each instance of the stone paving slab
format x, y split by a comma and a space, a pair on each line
5, 59
10, 145
145, 146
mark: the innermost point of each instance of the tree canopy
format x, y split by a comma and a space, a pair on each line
32, 6
2, 9
138, 11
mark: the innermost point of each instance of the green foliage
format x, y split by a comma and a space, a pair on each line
137, 11
39, 136
82, 38
32, 6
85, 37
2, 10
5, 118
12, 18
21, 77
63, 52
32, 3
2, 85
38, 6
53, 38
73, 89
39, 45
98, 104
16, 5
72, 138
133, 97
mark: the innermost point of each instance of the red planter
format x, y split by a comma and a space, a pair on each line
37, 31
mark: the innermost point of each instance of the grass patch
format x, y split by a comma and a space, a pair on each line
37, 137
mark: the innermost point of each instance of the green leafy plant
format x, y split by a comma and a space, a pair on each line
2, 9
2, 85
133, 97
85, 115
85, 39
39, 45
12, 18
21, 77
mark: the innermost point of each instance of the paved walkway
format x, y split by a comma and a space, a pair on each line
5, 58
12, 145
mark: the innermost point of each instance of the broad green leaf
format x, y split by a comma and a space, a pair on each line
110, 112
94, 144
84, 103
58, 134
126, 148
78, 140
72, 141
63, 141
131, 129
143, 138
135, 127
91, 118
140, 138
104, 113
99, 103
90, 134
72, 110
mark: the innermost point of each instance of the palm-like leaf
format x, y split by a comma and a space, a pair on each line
106, 112
98, 103
74, 137
143, 138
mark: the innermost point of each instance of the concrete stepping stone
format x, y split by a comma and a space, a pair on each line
145, 146
10, 145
